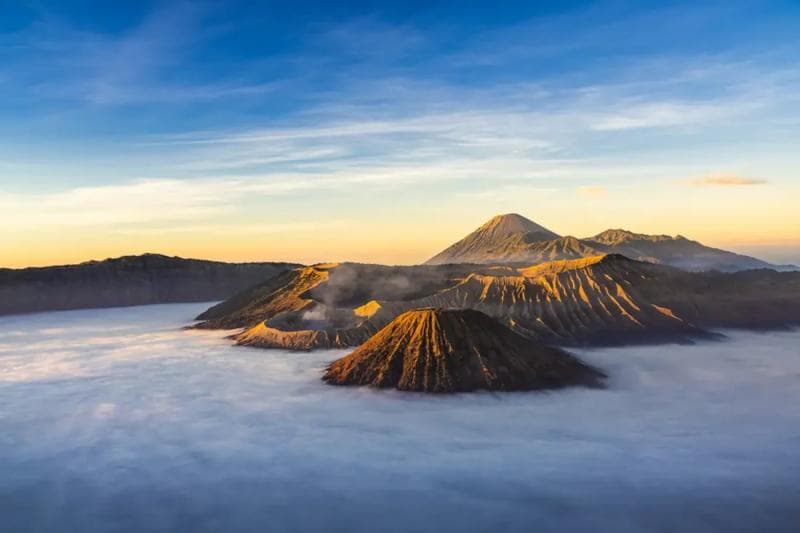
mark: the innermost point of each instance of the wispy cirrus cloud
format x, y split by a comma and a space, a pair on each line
665, 114
484, 129
515, 137
365, 106
54, 60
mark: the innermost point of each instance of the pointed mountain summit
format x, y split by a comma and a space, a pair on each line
457, 350
497, 239
502, 226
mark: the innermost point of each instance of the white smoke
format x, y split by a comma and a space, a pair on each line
118, 420
317, 313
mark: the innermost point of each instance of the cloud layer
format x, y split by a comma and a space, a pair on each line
120, 420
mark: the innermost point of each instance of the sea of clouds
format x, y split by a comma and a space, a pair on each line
118, 420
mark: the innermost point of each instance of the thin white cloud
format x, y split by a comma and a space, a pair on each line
127, 203
191, 203
62, 62
663, 115
225, 229
723, 180
516, 120
382, 132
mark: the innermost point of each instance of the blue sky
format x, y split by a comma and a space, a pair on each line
383, 131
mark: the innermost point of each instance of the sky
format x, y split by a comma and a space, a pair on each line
384, 131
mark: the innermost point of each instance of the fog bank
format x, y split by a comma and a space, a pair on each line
118, 420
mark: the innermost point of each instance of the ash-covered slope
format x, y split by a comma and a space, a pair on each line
614, 300
130, 280
334, 285
321, 306
513, 239
593, 300
436, 350
279, 294
498, 240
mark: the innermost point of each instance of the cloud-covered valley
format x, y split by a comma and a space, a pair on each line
118, 420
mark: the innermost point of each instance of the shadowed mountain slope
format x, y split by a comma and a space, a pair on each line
129, 280
279, 294
501, 238
336, 285
436, 350
513, 239
750, 299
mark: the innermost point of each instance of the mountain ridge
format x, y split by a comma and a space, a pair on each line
127, 280
515, 245
619, 235
606, 299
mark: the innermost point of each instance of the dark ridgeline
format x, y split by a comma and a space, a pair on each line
125, 281
457, 350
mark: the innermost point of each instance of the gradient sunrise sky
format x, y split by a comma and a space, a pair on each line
384, 131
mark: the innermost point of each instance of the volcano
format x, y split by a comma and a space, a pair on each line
513, 239
498, 240
603, 300
457, 350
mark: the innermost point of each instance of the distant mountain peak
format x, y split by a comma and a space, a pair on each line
513, 239
501, 232
513, 223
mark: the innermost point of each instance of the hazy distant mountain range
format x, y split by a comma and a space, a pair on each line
513, 239
504, 242
530, 287
130, 280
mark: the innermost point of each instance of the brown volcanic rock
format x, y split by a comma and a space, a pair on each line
327, 289
263, 336
598, 300
612, 300
457, 350
594, 300
281, 294
316, 326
